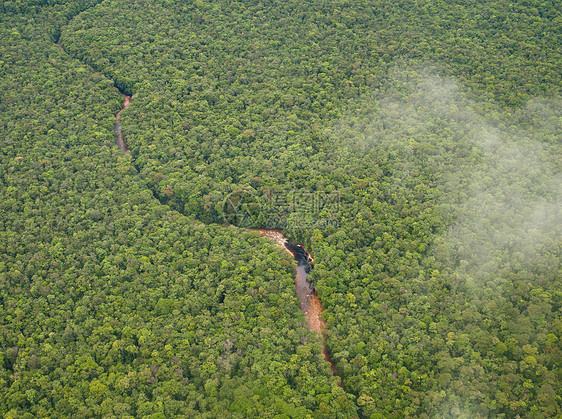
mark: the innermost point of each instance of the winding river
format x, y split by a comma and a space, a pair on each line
310, 303
120, 140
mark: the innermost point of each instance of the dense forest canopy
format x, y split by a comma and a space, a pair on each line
412, 147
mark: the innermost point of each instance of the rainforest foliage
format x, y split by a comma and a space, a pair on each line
413, 147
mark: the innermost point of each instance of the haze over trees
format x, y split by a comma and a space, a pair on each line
433, 131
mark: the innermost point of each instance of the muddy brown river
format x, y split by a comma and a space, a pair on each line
310, 303
120, 139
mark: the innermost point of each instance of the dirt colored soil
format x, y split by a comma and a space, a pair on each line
275, 235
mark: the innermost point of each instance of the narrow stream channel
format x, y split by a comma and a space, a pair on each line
120, 139
311, 305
